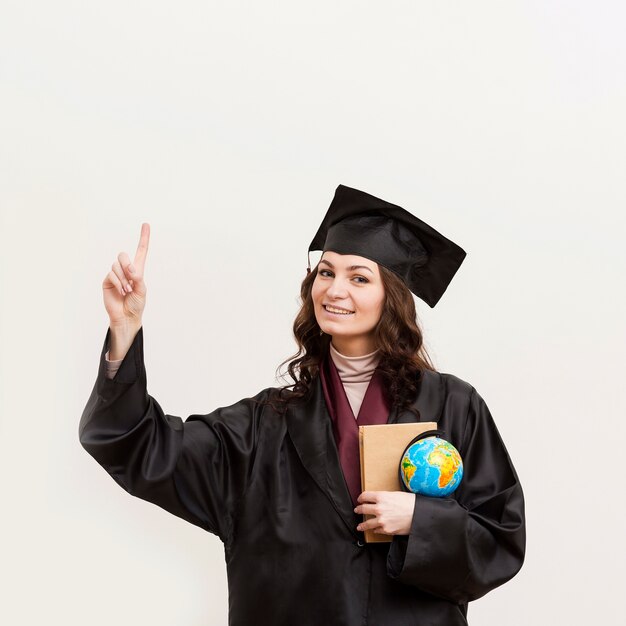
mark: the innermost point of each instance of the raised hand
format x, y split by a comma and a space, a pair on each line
124, 289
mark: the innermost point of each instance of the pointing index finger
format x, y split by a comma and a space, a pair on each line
142, 248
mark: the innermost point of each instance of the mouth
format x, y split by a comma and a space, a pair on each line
332, 310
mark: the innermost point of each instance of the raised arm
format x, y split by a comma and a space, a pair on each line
197, 470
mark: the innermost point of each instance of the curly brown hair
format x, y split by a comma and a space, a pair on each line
398, 338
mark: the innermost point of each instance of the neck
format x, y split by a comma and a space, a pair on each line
355, 369
352, 347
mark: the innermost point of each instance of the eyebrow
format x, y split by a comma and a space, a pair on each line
350, 269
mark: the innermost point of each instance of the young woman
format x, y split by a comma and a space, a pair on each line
276, 476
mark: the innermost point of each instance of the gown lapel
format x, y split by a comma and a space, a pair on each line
311, 431
310, 427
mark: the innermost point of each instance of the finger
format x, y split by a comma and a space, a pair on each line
370, 524
124, 261
142, 248
119, 273
368, 496
367, 509
112, 279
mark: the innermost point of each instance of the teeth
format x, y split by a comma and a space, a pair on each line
333, 310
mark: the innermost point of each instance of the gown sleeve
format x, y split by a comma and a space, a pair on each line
197, 470
462, 546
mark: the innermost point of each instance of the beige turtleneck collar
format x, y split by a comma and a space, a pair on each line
355, 373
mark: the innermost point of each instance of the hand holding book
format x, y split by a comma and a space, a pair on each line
381, 448
397, 461
391, 512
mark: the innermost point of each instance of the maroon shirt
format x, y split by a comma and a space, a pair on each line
374, 409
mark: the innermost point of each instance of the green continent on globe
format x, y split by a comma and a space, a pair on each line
408, 469
444, 458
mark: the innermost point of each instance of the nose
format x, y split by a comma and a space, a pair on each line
337, 289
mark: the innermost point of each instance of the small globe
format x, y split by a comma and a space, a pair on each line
432, 467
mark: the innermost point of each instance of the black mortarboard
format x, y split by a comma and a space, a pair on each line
358, 223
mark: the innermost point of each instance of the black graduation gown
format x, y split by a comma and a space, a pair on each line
272, 489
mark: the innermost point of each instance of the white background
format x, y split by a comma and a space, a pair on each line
227, 127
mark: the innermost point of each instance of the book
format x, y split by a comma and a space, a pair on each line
380, 449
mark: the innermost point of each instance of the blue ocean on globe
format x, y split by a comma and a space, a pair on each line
431, 467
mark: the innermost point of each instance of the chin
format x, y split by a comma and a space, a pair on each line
328, 330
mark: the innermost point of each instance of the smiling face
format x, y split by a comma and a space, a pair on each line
348, 297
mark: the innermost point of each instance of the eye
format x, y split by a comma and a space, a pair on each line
363, 279
324, 272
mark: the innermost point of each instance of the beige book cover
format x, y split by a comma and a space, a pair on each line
381, 447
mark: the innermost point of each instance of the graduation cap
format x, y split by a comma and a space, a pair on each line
361, 224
